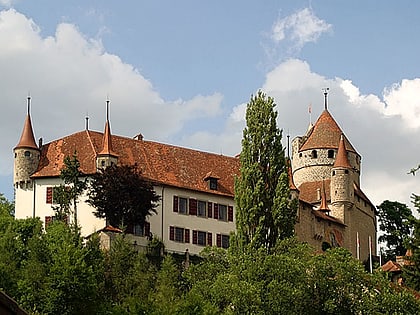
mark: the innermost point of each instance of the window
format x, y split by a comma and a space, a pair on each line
201, 208
222, 212
180, 205
213, 183
27, 153
330, 154
179, 234
314, 154
202, 238
223, 240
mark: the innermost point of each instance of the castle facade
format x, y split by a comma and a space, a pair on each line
197, 188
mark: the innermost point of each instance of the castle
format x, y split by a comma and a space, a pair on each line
197, 188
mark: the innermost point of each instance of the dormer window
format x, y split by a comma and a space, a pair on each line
212, 181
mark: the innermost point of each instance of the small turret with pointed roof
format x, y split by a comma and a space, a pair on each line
324, 205
27, 153
341, 159
107, 156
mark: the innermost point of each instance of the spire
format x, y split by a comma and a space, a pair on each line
107, 138
324, 206
27, 139
341, 159
326, 98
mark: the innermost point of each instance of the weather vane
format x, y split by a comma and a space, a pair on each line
325, 97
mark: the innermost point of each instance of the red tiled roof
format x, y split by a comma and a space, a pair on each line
342, 160
391, 266
27, 139
324, 206
324, 216
308, 191
325, 134
161, 163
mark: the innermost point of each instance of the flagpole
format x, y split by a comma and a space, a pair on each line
357, 246
370, 254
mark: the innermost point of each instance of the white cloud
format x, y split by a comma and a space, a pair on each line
300, 27
7, 3
402, 99
68, 75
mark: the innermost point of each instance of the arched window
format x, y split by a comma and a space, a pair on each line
314, 154
27, 153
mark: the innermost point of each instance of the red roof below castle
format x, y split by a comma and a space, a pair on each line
161, 163
325, 134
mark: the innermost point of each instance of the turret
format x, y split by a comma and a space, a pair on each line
342, 190
107, 156
27, 155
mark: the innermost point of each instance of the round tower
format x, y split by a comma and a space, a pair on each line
342, 190
27, 155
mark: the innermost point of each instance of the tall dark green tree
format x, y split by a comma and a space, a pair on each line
69, 192
264, 211
122, 196
395, 220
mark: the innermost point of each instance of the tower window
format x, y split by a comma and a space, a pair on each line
314, 154
27, 153
346, 171
330, 154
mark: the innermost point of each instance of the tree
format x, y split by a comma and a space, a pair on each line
395, 220
411, 271
264, 211
71, 190
122, 196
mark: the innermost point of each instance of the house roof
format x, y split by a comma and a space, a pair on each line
322, 215
161, 163
325, 134
27, 139
308, 191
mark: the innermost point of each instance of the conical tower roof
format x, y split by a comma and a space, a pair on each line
107, 142
341, 159
325, 134
27, 139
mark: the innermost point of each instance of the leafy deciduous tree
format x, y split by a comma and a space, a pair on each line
395, 220
264, 211
122, 196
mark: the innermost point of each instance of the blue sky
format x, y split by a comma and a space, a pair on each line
180, 72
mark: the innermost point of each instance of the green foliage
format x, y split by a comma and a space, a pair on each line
122, 196
68, 193
264, 211
290, 280
395, 220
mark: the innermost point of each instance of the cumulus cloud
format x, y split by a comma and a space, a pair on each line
300, 27
70, 75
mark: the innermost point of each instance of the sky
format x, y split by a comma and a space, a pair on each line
182, 72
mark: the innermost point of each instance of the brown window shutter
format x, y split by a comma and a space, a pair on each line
187, 236
209, 239
171, 233
175, 204
210, 210
230, 213
216, 211
194, 241
219, 240
146, 229
49, 195
193, 206
48, 220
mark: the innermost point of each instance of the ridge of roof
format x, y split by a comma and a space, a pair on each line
27, 138
325, 134
341, 159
